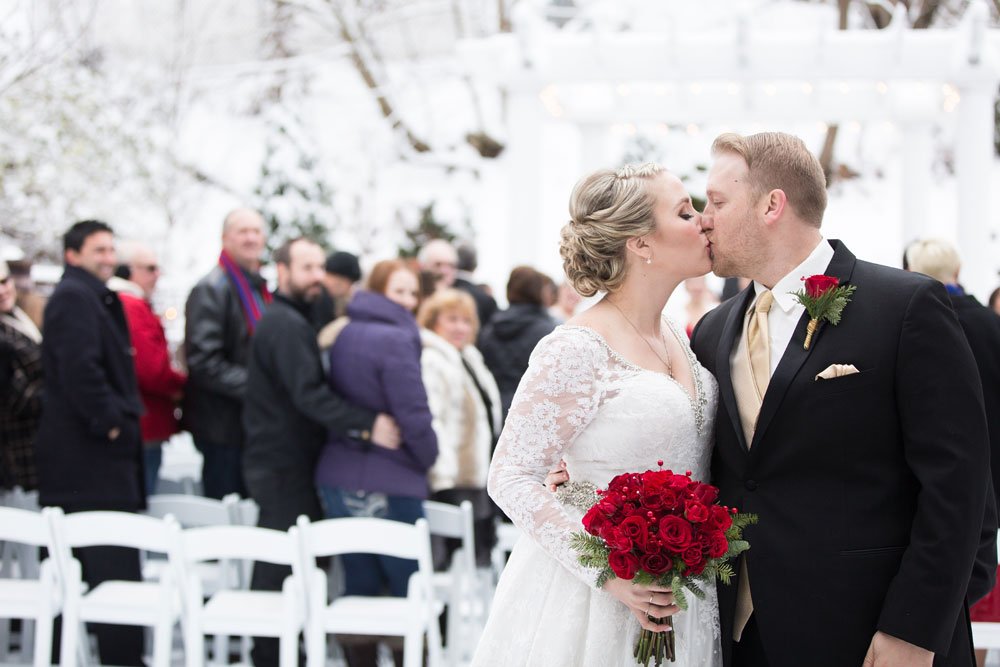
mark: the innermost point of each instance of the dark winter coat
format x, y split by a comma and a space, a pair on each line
20, 407
507, 342
289, 406
375, 362
90, 390
486, 306
217, 349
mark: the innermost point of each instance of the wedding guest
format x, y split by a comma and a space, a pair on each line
507, 341
89, 446
939, 260
465, 280
220, 317
700, 300
160, 385
342, 272
29, 298
289, 411
465, 402
375, 363
20, 389
995, 301
567, 301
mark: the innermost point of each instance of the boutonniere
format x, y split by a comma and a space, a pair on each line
824, 298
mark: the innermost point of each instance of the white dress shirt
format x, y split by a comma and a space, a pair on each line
786, 311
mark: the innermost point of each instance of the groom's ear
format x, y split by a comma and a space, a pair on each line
774, 202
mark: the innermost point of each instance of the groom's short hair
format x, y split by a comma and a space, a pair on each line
779, 161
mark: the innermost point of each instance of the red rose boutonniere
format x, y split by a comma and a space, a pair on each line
824, 298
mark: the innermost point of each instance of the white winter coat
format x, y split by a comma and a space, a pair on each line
460, 422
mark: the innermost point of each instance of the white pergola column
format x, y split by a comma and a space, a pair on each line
593, 147
973, 174
524, 158
917, 153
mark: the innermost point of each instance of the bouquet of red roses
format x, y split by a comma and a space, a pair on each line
661, 528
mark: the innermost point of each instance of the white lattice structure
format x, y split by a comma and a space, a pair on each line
594, 78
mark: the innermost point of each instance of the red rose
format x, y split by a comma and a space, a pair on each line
594, 520
636, 529
692, 557
720, 519
613, 501
696, 570
623, 564
718, 545
656, 564
705, 493
680, 482
817, 286
670, 498
696, 512
675, 533
615, 538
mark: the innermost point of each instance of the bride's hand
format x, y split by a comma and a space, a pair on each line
557, 477
645, 602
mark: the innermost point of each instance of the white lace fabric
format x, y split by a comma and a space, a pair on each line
582, 402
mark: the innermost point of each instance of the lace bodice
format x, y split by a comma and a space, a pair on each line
581, 401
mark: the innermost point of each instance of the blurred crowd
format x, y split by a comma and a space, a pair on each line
334, 394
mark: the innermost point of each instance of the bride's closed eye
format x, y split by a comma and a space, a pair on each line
687, 216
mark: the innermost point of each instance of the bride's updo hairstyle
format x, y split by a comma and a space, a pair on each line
606, 209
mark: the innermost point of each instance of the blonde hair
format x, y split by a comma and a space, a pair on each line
606, 209
935, 258
779, 161
444, 300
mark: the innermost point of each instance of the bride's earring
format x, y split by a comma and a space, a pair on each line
649, 260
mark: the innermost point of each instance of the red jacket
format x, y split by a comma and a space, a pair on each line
159, 383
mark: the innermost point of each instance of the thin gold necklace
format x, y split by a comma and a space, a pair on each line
666, 362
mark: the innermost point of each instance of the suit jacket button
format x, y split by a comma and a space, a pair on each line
750, 485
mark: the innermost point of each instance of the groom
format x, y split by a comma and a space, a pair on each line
865, 455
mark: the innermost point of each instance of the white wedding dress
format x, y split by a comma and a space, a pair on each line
582, 402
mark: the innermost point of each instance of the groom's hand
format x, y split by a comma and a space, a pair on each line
557, 477
888, 651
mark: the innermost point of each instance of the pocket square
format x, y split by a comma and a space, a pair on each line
836, 371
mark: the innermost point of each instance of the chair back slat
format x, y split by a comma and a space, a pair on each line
123, 529
26, 527
192, 511
444, 519
332, 537
239, 542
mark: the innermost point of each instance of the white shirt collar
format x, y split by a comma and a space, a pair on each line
816, 263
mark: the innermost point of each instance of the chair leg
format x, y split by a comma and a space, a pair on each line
68, 646
43, 642
413, 649
288, 649
220, 649
162, 636
194, 645
315, 646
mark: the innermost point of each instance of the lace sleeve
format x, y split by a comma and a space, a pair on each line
558, 396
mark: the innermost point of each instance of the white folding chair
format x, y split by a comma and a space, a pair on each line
18, 561
36, 599
242, 613
507, 536
457, 588
195, 512
411, 617
153, 604
182, 464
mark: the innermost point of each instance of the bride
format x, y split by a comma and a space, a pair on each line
613, 390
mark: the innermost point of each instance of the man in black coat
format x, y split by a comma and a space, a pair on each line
89, 448
220, 317
863, 453
289, 409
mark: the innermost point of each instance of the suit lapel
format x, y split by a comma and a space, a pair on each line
723, 369
841, 266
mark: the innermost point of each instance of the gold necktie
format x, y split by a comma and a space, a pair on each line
751, 375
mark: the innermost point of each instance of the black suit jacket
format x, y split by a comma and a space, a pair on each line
90, 389
869, 487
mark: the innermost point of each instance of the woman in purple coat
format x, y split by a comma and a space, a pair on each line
375, 363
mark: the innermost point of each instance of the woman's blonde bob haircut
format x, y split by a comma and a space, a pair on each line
606, 209
444, 300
